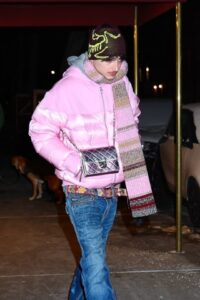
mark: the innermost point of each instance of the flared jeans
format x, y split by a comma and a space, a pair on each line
92, 218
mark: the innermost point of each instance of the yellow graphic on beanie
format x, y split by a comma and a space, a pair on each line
105, 43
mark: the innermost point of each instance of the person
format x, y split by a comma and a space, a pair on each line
91, 107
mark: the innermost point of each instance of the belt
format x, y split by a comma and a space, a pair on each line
104, 192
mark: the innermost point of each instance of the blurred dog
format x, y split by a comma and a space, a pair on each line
54, 184
22, 166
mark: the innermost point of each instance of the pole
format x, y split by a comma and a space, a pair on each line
178, 131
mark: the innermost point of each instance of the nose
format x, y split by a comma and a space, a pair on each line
116, 65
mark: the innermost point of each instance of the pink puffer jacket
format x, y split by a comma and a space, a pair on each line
77, 111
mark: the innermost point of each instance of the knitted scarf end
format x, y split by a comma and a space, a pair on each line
143, 206
143, 212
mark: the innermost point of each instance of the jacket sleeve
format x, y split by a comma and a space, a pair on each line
45, 127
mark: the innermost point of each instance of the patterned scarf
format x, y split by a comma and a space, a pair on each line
134, 167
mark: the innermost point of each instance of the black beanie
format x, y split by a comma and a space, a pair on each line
106, 42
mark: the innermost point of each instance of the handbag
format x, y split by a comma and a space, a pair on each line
99, 161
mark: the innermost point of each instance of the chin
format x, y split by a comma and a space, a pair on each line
109, 77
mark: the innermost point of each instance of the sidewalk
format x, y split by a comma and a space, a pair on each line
39, 253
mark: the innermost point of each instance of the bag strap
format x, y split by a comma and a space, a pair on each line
66, 136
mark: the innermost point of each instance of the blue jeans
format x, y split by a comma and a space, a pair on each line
92, 218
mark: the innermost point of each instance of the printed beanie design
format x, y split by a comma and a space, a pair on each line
105, 43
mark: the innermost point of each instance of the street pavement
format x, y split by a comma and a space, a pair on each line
39, 252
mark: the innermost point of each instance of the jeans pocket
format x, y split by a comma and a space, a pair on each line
80, 199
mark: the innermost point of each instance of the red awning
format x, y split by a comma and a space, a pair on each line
33, 13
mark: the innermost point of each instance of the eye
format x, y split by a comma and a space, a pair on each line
118, 59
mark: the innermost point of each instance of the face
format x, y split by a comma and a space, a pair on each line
109, 68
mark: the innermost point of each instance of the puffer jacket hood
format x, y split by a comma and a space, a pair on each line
77, 60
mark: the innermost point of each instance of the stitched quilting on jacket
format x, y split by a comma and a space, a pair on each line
77, 111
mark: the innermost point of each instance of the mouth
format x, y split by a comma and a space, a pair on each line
112, 74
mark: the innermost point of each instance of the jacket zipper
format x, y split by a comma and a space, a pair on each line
101, 90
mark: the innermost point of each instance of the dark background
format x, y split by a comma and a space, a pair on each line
29, 54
